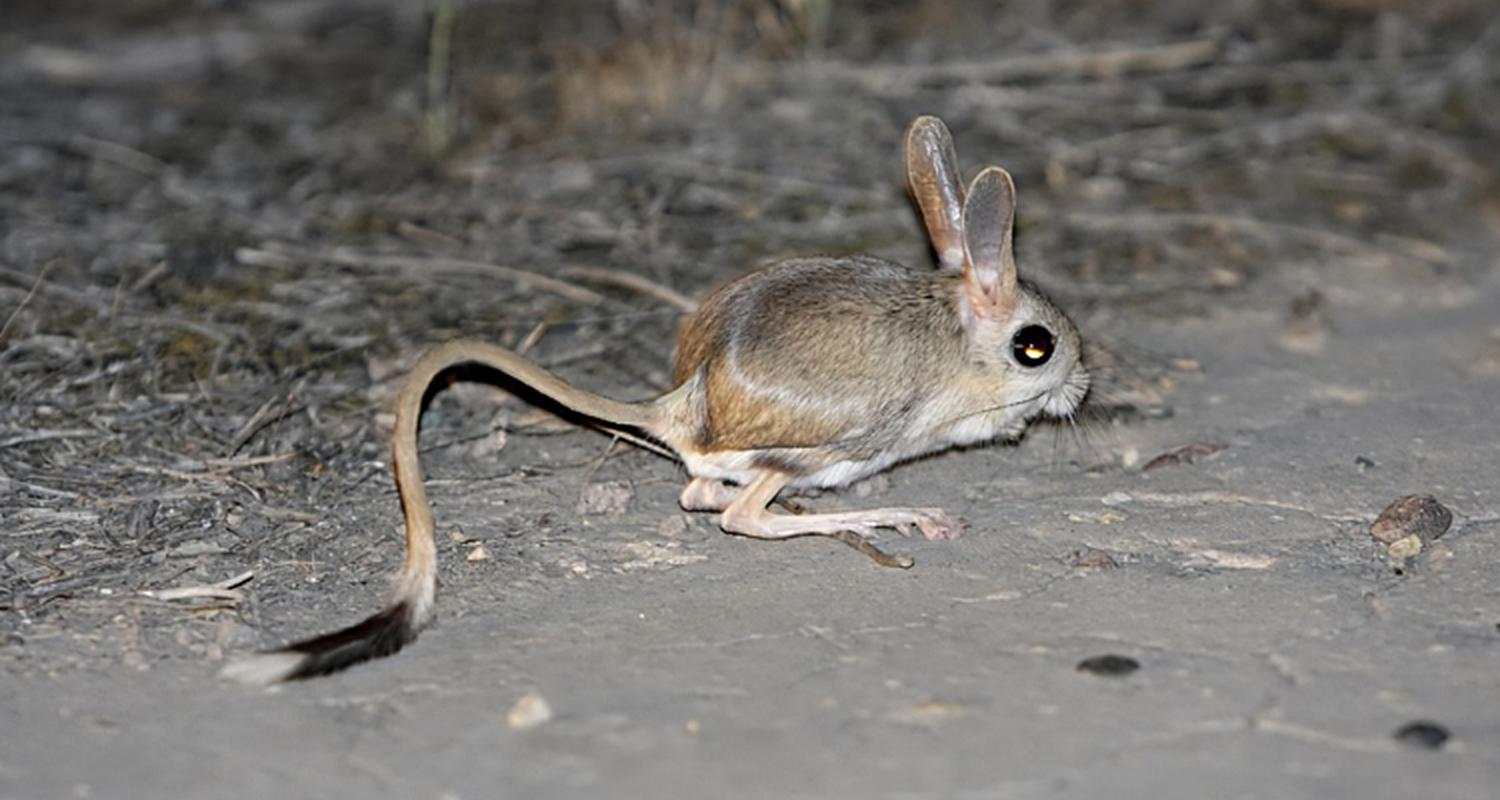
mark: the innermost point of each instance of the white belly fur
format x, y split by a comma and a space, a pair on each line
738, 466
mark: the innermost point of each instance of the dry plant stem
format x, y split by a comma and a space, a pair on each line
49, 435
1052, 66
39, 282
223, 590
214, 469
672, 164
1353, 123
219, 335
118, 154
57, 572
530, 340
635, 283
423, 266
262, 417
241, 463
439, 117
407, 229
10, 320
1415, 249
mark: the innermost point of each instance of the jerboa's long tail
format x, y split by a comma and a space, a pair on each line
411, 606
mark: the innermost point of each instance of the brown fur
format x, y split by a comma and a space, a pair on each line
867, 326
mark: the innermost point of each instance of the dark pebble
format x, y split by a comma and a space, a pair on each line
1089, 558
1109, 666
1428, 735
1363, 464
1418, 514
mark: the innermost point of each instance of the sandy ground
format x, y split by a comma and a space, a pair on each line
1279, 649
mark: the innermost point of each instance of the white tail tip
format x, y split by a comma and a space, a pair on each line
263, 669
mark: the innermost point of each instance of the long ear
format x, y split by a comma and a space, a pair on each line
932, 177
988, 220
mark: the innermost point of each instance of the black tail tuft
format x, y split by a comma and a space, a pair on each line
378, 636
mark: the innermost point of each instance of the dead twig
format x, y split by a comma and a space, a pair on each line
223, 590
673, 165
47, 436
45, 491
49, 287
1390, 246
118, 154
262, 418
635, 283
690, 169
427, 265
1106, 65
10, 320
213, 469
530, 340
1356, 125
58, 573
227, 464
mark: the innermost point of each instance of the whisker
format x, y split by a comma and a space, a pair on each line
1056, 440
981, 412
1077, 442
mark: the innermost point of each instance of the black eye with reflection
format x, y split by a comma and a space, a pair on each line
1032, 346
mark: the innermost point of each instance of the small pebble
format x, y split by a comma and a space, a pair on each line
1307, 326
1363, 464
1422, 734
479, 554
608, 497
1109, 665
673, 526
530, 711
1116, 499
1090, 558
1419, 515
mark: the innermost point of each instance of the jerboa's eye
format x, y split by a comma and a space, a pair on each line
1032, 346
